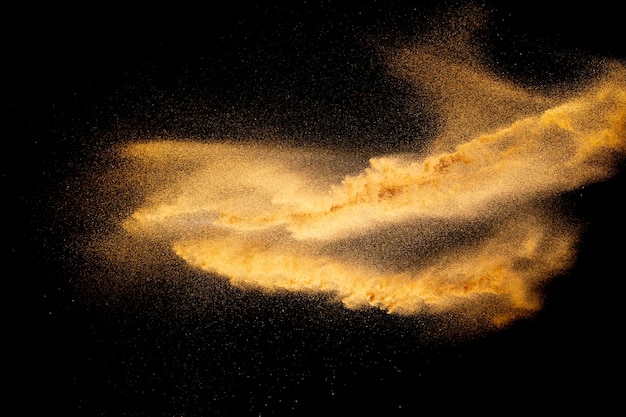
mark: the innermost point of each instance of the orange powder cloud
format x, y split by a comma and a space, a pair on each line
466, 226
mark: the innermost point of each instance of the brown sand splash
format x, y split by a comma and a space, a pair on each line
467, 226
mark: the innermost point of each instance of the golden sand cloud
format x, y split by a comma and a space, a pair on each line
467, 225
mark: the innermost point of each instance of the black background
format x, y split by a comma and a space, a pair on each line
77, 81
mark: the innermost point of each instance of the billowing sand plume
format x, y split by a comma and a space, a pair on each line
468, 225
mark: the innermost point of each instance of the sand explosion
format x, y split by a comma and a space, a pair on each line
469, 225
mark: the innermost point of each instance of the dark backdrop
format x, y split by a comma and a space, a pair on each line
79, 79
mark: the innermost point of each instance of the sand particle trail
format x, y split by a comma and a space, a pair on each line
467, 225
